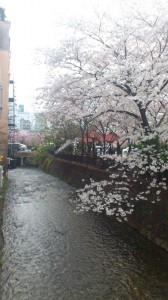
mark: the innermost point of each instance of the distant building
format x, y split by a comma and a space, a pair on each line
24, 121
11, 117
20, 108
4, 84
28, 121
40, 122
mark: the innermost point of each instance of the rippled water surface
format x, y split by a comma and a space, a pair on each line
50, 253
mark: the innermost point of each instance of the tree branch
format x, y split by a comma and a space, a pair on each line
126, 88
163, 86
113, 110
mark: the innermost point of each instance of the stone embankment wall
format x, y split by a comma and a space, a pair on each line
149, 219
74, 173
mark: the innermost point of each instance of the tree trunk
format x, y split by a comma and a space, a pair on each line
145, 123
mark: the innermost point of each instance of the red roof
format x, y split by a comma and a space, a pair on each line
111, 137
96, 136
93, 136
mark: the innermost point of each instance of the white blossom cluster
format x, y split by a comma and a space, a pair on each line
136, 181
110, 73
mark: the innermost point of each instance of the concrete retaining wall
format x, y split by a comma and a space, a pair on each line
151, 220
73, 173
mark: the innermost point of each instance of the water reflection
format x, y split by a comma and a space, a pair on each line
51, 253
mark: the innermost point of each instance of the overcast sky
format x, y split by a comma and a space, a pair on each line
33, 24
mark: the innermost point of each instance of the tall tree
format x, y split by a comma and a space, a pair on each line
117, 63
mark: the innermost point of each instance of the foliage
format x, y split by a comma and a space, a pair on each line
30, 139
68, 130
49, 141
42, 153
113, 67
129, 184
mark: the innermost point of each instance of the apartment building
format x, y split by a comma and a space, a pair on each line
24, 121
4, 84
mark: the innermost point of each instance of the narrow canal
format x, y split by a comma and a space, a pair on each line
50, 253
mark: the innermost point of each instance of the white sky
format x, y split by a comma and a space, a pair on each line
33, 24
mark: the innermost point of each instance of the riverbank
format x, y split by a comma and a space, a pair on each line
151, 220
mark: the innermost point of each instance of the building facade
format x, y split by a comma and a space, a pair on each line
4, 87
24, 121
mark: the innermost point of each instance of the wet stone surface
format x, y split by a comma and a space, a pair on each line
50, 253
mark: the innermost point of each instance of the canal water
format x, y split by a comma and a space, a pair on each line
51, 253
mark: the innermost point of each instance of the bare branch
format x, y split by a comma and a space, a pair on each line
164, 85
131, 114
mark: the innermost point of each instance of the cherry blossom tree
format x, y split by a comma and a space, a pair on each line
29, 138
117, 64
113, 69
